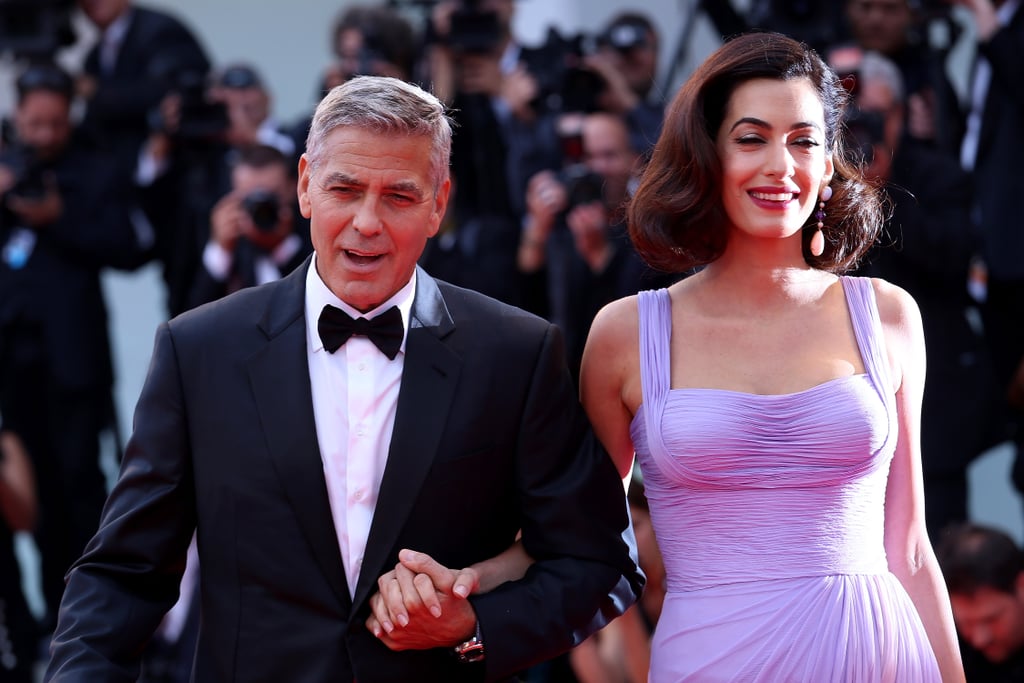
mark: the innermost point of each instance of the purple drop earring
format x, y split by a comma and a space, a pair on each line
818, 238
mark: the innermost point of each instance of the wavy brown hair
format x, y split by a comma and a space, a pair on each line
677, 220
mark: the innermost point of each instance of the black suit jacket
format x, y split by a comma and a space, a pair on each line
485, 443
155, 52
998, 174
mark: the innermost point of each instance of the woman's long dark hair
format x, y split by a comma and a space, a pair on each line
676, 217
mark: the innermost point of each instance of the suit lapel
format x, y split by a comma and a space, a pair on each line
280, 382
429, 379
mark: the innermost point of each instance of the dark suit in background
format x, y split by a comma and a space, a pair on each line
998, 186
56, 373
156, 55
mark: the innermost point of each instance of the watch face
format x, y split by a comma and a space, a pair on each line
470, 651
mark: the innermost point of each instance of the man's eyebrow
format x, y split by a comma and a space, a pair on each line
406, 186
340, 178
764, 124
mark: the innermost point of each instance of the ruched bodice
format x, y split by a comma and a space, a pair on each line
769, 510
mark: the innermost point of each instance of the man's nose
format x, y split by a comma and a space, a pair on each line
367, 219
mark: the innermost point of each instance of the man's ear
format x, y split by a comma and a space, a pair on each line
302, 187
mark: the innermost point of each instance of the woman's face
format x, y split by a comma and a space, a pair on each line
774, 165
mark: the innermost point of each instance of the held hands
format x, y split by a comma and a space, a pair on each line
422, 604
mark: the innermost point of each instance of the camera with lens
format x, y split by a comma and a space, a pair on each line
263, 208
29, 175
563, 83
582, 186
866, 128
474, 30
200, 119
35, 28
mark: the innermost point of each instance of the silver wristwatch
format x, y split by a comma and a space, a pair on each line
471, 650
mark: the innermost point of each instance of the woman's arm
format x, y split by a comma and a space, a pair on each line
907, 546
609, 379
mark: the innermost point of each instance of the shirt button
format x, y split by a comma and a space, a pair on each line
359, 495
362, 367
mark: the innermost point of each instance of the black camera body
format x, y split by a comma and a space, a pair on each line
582, 186
474, 30
29, 173
263, 208
35, 28
200, 120
564, 84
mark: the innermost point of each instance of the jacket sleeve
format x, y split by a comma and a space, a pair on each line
130, 572
574, 524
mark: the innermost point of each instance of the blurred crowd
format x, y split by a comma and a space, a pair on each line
150, 152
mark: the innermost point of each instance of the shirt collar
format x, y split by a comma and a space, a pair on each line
118, 28
1006, 11
319, 295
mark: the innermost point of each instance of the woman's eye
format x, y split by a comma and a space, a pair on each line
806, 142
749, 140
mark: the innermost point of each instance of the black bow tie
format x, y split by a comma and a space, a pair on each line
386, 330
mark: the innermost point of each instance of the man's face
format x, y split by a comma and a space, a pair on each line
991, 621
880, 25
607, 152
372, 206
43, 122
638, 65
102, 13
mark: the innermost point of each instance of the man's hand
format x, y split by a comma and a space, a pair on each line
589, 226
39, 212
229, 221
422, 605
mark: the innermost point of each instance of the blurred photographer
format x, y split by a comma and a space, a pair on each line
476, 66
140, 57
992, 151
63, 218
926, 248
899, 30
574, 242
367, 40
185, 166
626, 60
253, 228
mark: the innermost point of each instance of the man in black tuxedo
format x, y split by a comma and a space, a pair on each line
307, 449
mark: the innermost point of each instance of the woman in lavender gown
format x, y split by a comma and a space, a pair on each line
773, 404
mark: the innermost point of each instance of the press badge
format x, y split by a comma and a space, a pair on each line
19, 248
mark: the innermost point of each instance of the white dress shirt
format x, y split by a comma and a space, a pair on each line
355, 396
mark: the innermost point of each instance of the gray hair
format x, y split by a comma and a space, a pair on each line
387, 106
875, 67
